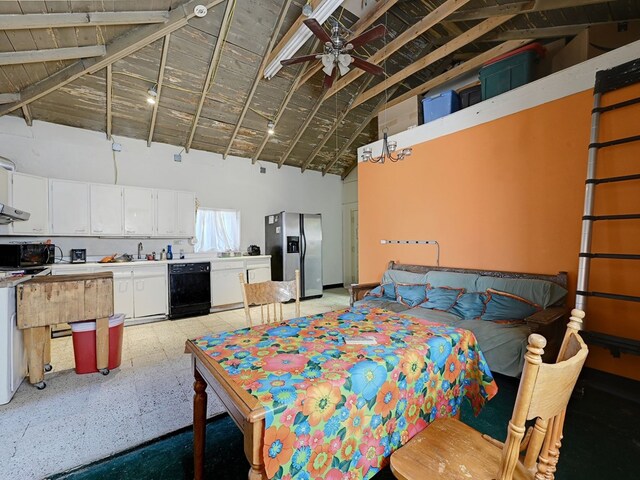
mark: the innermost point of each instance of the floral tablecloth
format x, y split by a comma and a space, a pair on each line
338, 411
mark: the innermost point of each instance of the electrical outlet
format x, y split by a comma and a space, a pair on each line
263, 170
177, 157
116, 147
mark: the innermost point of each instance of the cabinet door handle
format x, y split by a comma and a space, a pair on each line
37, 229
81, 230
130, 231
97, 230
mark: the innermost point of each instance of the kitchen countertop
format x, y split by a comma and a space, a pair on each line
191, 259
9, 282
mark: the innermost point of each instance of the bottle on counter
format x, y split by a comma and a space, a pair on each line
169, 253
163, 254
181, 254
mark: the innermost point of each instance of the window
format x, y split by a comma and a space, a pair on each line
217, 230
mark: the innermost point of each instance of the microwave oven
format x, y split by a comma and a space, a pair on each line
26, 254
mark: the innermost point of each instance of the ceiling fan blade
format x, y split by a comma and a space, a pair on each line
328, 79
371, 34
317, 30
291, 61
367, 66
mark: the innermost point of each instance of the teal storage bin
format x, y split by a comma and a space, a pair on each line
509, 72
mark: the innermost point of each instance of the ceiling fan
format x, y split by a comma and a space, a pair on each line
336, 56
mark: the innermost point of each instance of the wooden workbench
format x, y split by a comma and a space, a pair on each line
54, 299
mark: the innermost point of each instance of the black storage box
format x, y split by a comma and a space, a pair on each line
470, 96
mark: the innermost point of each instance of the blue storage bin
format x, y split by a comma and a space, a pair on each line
440, 105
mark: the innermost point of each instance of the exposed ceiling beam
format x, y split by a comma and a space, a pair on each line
464, 39
301, 130
519, 7
109, 100
256, 80
213, 66
359, 27
432, 18
9, 97
302, 69
89, 19
290, 33
456, 71
121, 47
27, 115
51, 55
358, 131
163, 62
336, 123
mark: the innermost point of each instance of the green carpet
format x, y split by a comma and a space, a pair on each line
602, 441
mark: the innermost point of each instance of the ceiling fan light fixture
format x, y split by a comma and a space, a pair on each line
343, 69
271, 127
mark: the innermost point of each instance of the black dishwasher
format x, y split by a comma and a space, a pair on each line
189, 289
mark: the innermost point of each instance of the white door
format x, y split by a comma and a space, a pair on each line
260, 274
69, 210
186, 214
123, 293
150, 291
166, 220
31, 194
138, 211
225, 286
106, 209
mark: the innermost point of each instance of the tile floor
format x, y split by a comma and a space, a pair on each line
78, 419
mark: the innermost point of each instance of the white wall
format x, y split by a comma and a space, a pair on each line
349, 205
70, 153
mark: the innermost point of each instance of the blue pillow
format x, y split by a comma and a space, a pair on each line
374, 293
441, 298
469, 305
507, 306
389, 291
411, 294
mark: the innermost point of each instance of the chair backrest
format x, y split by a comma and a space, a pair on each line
543, 394
270, 296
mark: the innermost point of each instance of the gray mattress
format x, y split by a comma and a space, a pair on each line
503, 345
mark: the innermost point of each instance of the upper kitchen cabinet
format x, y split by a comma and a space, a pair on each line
138, 211
106, 210
186, 214
69, 212
31, 194
166, 213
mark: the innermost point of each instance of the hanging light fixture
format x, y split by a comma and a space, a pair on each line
271, 127
152, 95
307, 10
389, 147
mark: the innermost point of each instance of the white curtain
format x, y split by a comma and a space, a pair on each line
217, 230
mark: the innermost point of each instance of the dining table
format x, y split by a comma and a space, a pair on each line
314, 398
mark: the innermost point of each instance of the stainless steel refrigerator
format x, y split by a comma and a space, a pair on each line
294, 241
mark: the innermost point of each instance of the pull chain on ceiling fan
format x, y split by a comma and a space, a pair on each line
336, 50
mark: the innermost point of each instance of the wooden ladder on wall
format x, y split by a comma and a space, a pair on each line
607, 81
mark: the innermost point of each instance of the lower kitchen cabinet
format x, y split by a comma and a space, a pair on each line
260, 274
150, 291
225, 286
123, 293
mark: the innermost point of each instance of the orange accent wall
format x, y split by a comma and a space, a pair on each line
509, 195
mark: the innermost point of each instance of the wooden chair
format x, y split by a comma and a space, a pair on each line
270, 295
449, 449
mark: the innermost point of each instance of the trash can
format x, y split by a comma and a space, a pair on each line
84, 344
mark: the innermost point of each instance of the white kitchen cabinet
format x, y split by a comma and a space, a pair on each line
106, 209
138, 211
31, 194
225, 286
123, 293
260, 274
166, 212
69, 207
186, 214
150, 293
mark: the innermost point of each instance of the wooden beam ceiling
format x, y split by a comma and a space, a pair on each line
89, 19
27, 115
163, 63
464, 39
9, 97
213, 66
301, 130
519, 7
51, 55
433, 18
121, 47
258, 77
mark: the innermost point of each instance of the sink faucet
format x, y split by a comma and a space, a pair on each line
140, 251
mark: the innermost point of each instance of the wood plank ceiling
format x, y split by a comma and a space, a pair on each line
205, 69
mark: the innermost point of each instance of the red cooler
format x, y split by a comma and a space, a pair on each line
84, 344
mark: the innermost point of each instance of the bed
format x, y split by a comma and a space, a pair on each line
312, 406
